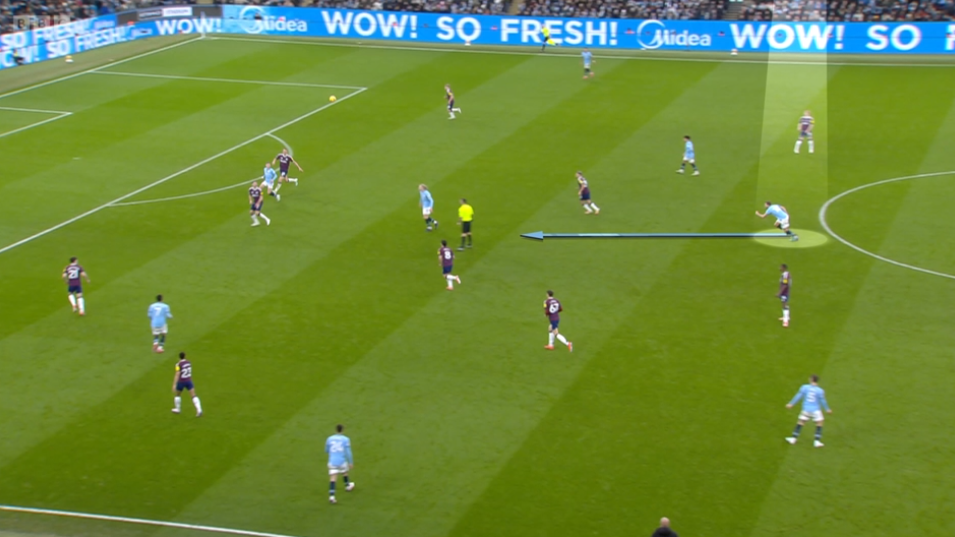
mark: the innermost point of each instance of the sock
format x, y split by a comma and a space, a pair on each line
294, 180
162, 339
587, 208
450, 279
198, 404
787, 232
272, 193
561, 338
694, 166
255, 218
786, 314
683, 166
798, 145
266, 218
550, 338
818, 432
178, 402
594, 206
277, 187
452, 115
81, 303
345, 478
462, 241
72, 300
331, 488
797, 430
470, 242
458, 110
811, 146
155, 340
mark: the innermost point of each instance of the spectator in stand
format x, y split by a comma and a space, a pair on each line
626, 9
850, 10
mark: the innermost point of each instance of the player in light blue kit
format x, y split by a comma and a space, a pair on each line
588, 58
689, 155
338, 447
268, 181
158, 312
782, 218
813, 402
427, 205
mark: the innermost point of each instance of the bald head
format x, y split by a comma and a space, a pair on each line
664, 522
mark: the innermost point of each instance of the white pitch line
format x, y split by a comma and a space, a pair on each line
37, 124
183, 196
140, 521
177, 174
291, 151
38, 111
825, 225
232, 80
574, 54
93, 70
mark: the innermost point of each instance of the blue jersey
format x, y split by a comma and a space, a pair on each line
588, 58
426, 200
269, 175
688, 152
813, 398
338, 447
158, 313
777, 211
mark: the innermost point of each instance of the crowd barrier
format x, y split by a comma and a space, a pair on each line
437, 28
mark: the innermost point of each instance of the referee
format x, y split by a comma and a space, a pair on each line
465, 216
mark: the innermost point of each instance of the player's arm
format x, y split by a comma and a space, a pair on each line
64, 274
175, 379
85, 276
296, 164
348, 455
761, 215
825, 404
799, 395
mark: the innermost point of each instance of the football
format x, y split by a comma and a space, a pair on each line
331, 99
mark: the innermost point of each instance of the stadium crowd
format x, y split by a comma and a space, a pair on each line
850, 10
18, 15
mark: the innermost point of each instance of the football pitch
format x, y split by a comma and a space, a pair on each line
137, 160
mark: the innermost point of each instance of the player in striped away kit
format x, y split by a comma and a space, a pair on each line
446, 258
285, 159
806, 123
255, 203
552, 309
183, 381
73, 273
583, 192
449, 96
785, 281
813, 402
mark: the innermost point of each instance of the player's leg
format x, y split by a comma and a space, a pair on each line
785, 318
682, 166
817, 440
450, 278
196, 402
332, 481
798, 144
586, 205
349, 485
696, 171
562, 339
177, 402
798, 429
72, 297
463, 238
451, 110
551, 333
594, 207
255, 216
80, 303
470, 242
812, 146
268, 221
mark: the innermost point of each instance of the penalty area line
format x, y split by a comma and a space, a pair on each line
169, 177
140, 521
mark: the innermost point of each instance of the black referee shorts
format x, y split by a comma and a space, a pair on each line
466, 227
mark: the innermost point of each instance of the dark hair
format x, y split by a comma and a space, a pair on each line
550, 293
158, 298
72, 260
182, 355
768, 203
463, 200
686, 136
339, 427
784, 266
444, 243
815, 378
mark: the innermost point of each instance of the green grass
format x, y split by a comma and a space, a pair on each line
673, 401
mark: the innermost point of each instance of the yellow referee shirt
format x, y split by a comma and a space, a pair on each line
466, 213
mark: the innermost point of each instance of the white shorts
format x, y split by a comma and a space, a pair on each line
159, 331
426, 211
335, 470
814, 416
782, 223
270, 186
